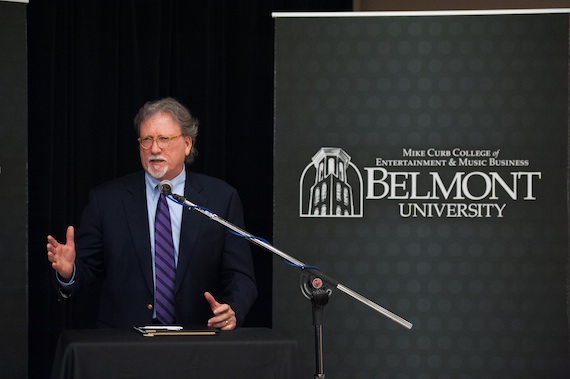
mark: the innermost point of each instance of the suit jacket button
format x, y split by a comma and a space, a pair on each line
149, 307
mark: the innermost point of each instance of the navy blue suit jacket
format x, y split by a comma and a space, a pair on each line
113, 246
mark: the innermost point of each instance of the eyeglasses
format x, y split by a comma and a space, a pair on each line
161, 141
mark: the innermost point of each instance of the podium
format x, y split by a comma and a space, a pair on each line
118, 353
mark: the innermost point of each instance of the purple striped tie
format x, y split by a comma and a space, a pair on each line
164, 265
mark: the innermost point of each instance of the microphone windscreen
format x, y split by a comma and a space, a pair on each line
165, 187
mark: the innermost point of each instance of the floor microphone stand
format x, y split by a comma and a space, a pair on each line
314, 289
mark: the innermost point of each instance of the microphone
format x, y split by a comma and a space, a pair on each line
166, 187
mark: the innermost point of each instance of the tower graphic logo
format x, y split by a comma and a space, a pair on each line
331, 186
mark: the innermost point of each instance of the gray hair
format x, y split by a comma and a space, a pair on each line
180, 114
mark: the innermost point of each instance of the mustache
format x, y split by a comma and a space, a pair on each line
156, 158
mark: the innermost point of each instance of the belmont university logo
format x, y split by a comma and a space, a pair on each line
331, 186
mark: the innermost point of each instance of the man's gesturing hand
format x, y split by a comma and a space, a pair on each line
224, 316
62, 257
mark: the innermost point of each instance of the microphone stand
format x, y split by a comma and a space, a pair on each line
312, 283
314, 289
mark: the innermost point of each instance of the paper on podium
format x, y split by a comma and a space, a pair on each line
173, 330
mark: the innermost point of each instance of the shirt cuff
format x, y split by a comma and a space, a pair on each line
64, 285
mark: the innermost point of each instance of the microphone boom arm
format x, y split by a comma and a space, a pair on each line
394, 317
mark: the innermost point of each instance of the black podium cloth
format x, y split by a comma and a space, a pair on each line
117, 353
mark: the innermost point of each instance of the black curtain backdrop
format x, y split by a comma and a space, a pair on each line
92, 64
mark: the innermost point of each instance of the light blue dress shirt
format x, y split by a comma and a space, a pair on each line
175, 209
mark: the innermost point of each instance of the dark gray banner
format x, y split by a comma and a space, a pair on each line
13, 196
422, 162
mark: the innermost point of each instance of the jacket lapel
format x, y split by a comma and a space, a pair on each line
137, 219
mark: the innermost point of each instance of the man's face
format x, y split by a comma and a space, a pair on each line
167, 162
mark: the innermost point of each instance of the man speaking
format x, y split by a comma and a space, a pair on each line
156, 261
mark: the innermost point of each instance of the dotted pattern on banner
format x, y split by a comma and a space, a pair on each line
486, 295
